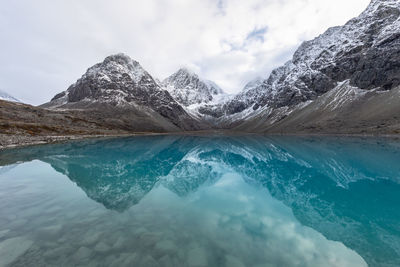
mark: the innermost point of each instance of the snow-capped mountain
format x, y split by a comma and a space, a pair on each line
353, 68
121, 83
198, 96
188, 88
8, 97
366, 51
361, 56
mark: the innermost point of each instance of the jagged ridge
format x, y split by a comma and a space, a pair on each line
365, 50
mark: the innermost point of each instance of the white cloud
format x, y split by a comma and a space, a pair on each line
48, 44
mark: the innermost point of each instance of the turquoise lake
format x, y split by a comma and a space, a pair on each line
202, 201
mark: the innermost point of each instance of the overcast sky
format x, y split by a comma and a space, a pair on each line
48, 44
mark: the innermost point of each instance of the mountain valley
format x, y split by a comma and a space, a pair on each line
345, 81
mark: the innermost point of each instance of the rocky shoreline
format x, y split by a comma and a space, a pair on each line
14, 141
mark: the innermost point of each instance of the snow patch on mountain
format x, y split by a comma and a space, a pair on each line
188, 89
8, 97
341, 95
117, 65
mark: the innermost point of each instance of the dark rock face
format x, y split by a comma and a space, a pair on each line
121, 82
375, 63
213, 111
375, 67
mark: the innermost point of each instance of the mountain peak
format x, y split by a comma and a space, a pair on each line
185, 71
120, 58
118, 65
384, 2
382, 9
115, 80
188, 88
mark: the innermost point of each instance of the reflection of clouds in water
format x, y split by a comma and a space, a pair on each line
233, 218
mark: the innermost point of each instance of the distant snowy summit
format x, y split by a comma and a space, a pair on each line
348, 74
188, 88
195, 94
8, 97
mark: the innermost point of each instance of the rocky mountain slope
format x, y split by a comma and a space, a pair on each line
343, 110
24, 124
365, 53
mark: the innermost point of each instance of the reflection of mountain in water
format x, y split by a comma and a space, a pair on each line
118, 174
345, 188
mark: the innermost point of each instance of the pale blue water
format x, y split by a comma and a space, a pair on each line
202, 201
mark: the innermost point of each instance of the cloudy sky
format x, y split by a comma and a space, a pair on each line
49, 44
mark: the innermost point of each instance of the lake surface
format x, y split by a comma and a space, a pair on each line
202, 201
